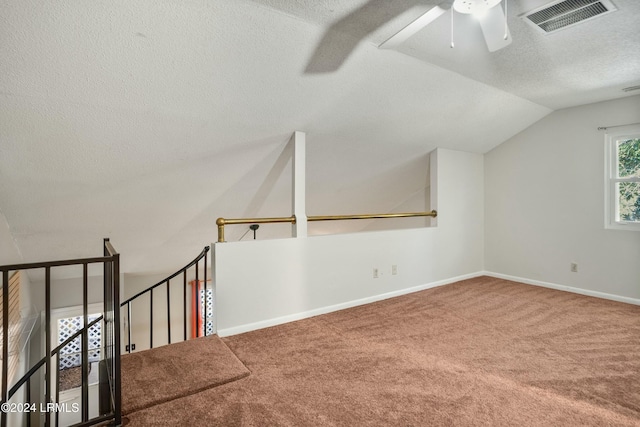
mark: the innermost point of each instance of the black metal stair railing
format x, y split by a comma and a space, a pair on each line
110, 409
110, 383
55, 352
167, 291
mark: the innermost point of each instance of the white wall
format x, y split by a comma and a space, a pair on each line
261, 283
9, 253
140, 319
134, 283
67, 292
545, 204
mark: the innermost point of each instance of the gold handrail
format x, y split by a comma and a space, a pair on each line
221, 222
433, 213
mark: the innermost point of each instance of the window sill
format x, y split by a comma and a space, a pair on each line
623, 226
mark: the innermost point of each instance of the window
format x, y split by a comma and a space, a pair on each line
71, 354
622, 187
67, 321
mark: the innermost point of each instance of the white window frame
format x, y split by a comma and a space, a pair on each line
612, 220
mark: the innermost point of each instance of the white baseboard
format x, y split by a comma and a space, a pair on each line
587, 292
324, 310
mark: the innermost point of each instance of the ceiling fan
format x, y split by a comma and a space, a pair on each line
489, 14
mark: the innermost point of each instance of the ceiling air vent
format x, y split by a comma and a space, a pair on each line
566, 13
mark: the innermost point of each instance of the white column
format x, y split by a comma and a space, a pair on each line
433, 184
299, 229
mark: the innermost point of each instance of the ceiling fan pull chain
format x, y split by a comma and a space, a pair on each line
506, 30
452, 44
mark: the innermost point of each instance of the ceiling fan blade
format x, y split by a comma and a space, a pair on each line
415, 26
493, 29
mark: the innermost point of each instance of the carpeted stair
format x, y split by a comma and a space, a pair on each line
174, 371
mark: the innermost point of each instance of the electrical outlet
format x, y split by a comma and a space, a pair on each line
574, 267
133, 347
375, 273
394, 269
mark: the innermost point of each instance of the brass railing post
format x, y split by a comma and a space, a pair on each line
220, 223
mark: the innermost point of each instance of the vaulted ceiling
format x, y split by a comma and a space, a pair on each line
145, 120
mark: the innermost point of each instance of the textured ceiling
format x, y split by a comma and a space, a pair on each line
143, 120
586, 63
590, 62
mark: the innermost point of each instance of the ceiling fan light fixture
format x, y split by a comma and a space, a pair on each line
477, 8
494, 25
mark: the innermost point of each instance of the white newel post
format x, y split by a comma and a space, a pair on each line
299, 229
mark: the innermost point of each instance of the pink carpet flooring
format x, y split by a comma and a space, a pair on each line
483, 351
